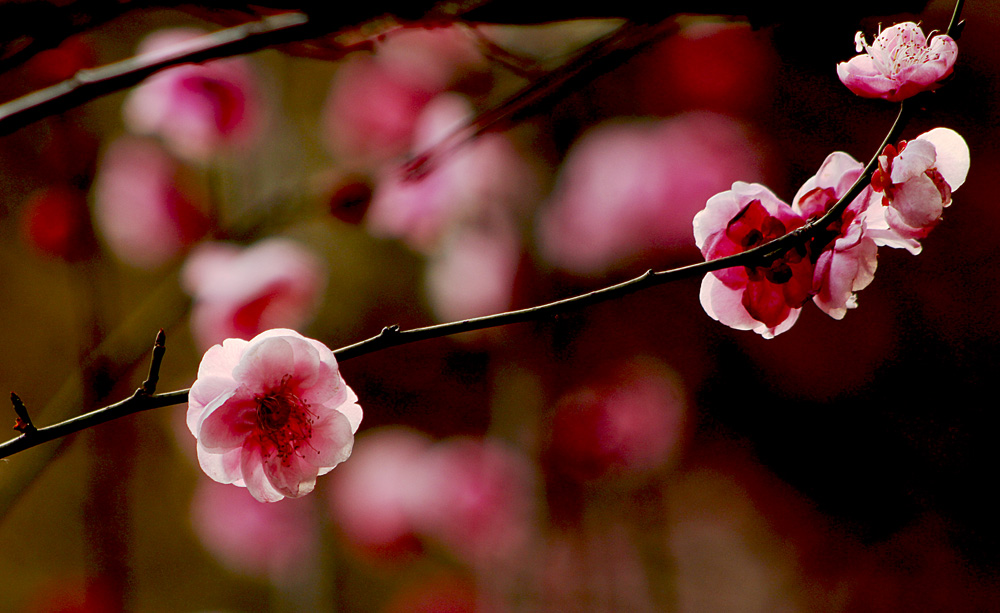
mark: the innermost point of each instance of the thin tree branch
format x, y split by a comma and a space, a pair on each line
761, 255
605, 53
141, 400
392, 336
92, 83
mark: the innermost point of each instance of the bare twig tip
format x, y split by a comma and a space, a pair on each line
159, 348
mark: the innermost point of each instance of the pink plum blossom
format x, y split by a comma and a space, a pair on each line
56, 220
143, 208
629, 422
274, 541
767, 299
474, 271
845, 256
369, 116
475, 497
371, 497
239, 292
627, 188
475, 180
271, 414
916, 179
199, 110
374, 102
899, 63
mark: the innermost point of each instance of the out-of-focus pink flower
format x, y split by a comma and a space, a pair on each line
371, 497
56, 220
768, 299
474, 181
60, 63
846, 260
436, 58
239, 292
369, 115
473, 272
629, 423
199, 110
899, 63
726, 67
274, 541
629, 188
475, 497
374, 102
271, 414
144, 209
916, 179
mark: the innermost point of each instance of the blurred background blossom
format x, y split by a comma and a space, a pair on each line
198, 110
634, 455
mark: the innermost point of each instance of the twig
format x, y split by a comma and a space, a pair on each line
141, 400
392, 336
608, 51
159, 348
23, 423
92, 83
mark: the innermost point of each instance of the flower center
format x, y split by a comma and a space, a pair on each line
906, 54
284, 421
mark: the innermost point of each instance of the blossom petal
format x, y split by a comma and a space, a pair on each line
842, 273
331, 441
222, 467
918, 202
227, 425
952, 155
252, 467
204, 392
292, 476
351, 409
913, 161
265, 363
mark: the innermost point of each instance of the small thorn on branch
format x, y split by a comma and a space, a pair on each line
159, 348
23, 423
389, 330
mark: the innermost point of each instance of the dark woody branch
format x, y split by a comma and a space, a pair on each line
392, 336
92, 83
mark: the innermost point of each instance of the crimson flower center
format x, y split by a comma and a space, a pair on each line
284, 421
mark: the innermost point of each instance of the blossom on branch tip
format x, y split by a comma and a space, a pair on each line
899, 63
766, 299
916, 179
271, 414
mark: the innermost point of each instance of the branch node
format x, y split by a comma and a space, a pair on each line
390, 330
23, 423
159, 348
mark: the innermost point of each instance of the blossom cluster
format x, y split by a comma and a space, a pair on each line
902, 204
